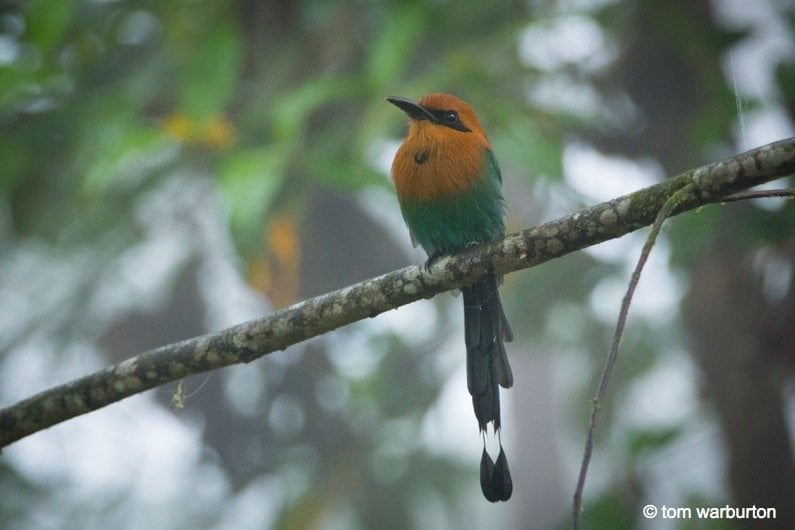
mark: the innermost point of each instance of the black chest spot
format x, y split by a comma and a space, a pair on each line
421, 157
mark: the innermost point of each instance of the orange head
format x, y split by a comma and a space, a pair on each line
444, 151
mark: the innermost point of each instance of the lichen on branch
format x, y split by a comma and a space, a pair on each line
251, 340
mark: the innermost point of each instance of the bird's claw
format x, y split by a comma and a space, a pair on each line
431, 260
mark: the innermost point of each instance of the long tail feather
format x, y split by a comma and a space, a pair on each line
486, 331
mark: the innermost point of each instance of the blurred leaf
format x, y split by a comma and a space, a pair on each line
290, 112
113, 148
249, 180
344, 174
611, 510
762, 225
395, 45
210, 79
15, 163
689, 231
46, 22
126, 156
14, 87
650, 440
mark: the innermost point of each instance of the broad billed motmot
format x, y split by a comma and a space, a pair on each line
449, 185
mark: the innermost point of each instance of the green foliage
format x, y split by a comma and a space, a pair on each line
249, 181
611, 510
650, 440
47, 22
209, 80
395, 46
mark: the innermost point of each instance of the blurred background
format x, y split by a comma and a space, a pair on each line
172, 168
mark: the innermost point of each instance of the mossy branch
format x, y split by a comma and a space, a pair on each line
254, 339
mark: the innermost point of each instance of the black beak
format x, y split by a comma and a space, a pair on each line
414, 110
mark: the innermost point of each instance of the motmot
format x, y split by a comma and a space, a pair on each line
449, 187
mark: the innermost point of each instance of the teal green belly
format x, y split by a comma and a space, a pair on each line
448, 225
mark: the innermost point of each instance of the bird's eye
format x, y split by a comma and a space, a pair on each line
451, 117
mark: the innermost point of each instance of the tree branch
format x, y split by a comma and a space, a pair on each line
254, 339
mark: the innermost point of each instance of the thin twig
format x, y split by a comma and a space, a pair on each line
610, 362
665, 212
786, 193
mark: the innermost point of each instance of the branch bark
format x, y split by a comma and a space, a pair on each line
251, 340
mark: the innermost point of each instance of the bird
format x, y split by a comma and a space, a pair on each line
449, 188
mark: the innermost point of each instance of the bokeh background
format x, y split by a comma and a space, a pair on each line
172, 168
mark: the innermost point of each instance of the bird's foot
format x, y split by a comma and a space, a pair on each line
431, 260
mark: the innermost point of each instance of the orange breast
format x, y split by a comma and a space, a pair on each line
436, 162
